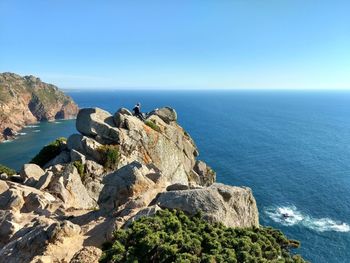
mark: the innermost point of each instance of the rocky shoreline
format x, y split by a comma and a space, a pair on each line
114, 171
27, 100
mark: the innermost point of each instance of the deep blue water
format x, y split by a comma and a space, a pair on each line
292, 148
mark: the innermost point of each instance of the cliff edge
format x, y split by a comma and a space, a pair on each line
26, 100
68, 202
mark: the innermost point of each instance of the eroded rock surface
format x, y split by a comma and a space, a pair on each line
115, 171
233, 206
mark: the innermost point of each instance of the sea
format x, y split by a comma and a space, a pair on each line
292, 148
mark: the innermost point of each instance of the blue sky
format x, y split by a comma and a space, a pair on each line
262, 44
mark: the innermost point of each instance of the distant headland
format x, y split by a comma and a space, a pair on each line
27, 100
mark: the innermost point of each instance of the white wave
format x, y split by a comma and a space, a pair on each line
36, 131
7, 141
290, 215
21, 133
285, 215
57, 122
326, 224
32, 126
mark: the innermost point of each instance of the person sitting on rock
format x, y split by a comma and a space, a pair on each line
137, 111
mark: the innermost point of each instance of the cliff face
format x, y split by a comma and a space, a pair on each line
116, 170
26, 100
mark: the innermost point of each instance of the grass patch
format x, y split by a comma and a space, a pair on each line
172, 236
110, 156
7, 170
81, 168
152, 125
49, 152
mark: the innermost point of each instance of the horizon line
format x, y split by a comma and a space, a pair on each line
197, 89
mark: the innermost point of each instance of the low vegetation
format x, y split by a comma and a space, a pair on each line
6, 170
111, 156
80, 167
152, 125
49, 152
172, 236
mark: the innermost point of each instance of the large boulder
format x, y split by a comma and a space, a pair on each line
67, 185
230, 205
167, 114
130, 181
119, 119
97, 123
31, 170
85, 146
44, 180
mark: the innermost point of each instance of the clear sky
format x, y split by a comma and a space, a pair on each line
261, 44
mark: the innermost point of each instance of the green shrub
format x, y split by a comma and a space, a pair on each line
172, 236
153, 125
49, 152
6, 170
80, 167
110, 156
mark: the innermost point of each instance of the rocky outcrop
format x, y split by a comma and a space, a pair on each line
167, 114
67, 185
87, 255
31, 173
26, 100
46, 241
233, 206
115, 171
170, 148
202, 174
97, 123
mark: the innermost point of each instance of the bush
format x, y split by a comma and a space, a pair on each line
110, 156
80, 167
172, 236
153, 125
49, 152
6, 170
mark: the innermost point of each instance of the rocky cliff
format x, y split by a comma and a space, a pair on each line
114, 171
26, 100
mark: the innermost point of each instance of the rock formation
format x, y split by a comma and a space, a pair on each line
116, 170
26, 100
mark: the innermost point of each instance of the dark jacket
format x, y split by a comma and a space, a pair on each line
137, 110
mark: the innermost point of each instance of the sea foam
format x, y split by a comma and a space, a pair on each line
8, 141
290, 215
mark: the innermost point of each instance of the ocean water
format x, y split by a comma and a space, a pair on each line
291, 147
